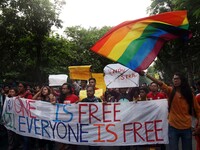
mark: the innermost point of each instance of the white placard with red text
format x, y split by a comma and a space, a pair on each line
111, 124
119, 76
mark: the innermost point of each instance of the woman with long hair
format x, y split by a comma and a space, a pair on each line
45, 95
182, 106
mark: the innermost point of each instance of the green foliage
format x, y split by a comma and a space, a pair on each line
193, 6
178, 55
81, 40
29, 52
33, 54
24, 26
159, 6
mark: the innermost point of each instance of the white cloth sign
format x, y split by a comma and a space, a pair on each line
57, 80
119, 76
111, 124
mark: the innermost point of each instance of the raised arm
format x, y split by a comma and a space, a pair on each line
142, 73
38, 94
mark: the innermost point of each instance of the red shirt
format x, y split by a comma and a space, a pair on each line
157, 95
198, 98
71, 98
26, 95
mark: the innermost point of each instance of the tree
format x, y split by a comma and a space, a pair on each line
191, 5
178, 55
30, 52
81, 40
24, 27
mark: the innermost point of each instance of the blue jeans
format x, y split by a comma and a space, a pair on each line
176, 134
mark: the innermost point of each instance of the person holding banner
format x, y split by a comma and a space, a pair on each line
135, 93
142, 94
182, 106
123, 95
23, 93
45, 95
66, 95
13, 138
154, 94
90, 98
90, 95
111, 95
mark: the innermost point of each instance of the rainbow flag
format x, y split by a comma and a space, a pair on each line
135, 44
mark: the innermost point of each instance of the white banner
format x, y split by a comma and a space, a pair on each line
57, 80
119, 76
108, 124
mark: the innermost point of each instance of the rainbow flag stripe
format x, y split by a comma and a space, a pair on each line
135, 44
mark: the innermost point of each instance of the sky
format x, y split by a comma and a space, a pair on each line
99, 13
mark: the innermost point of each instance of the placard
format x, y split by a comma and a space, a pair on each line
119, 76
57, 80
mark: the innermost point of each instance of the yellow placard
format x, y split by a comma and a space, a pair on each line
100, 83
83, 93
80, 72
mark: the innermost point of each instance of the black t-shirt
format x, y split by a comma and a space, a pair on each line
94, 99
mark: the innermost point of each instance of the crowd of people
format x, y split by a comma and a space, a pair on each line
183, 104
